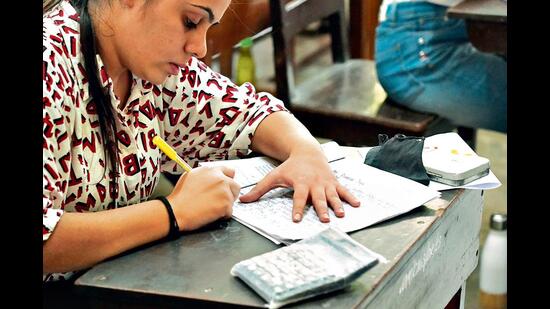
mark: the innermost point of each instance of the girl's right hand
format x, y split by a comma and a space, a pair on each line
204, 195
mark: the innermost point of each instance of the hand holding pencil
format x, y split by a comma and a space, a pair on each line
202, 195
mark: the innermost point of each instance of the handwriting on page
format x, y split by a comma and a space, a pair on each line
379, 198
254, 172
250, 171
361, 190
273, 213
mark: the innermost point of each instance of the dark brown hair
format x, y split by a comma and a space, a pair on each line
105, 113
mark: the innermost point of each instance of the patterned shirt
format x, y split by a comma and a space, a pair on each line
201, 114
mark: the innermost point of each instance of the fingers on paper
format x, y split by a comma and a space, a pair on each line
318, 199
334, 201
299, 202
347, 196
265, 185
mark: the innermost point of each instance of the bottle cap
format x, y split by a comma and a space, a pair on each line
246, 42
499, 222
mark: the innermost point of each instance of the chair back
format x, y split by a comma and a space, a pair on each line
343, 101
288, 18
363, 15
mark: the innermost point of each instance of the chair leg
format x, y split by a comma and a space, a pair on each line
468, 135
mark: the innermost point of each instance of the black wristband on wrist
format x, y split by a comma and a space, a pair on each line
174, 227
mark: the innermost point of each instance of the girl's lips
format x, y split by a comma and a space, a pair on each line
174, 68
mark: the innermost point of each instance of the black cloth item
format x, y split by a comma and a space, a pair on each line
400, 155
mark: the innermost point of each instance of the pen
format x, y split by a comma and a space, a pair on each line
170, 152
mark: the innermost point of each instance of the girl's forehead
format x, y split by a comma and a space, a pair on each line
217, 7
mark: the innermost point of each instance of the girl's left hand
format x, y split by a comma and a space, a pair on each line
308, 172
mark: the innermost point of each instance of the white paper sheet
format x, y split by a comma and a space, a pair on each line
484, 183
250, 171
383, 195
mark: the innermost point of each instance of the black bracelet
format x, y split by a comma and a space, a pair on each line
174, 227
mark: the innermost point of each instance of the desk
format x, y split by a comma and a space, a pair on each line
431, 251
486, 21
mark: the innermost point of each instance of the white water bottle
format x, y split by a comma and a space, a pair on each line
493, 273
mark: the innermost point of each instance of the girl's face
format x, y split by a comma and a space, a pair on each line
154, 38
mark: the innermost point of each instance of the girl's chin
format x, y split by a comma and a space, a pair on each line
157, 79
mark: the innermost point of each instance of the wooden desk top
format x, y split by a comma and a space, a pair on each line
482, 10
431, 251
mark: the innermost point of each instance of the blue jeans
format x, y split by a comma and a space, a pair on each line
425, 61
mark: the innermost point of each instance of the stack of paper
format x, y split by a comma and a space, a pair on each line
383, 195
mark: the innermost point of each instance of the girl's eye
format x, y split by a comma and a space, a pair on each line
189, 24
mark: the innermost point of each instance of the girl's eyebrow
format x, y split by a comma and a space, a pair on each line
207, 10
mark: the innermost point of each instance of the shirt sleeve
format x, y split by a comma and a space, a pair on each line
56, 148
208, 117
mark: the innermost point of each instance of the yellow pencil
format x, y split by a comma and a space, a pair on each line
170, 152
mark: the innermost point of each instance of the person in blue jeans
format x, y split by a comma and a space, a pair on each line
425, 61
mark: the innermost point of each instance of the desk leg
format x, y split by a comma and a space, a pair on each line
458, 300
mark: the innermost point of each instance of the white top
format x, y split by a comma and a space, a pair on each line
201, 114
386, 3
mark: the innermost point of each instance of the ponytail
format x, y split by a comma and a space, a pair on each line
105, 113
